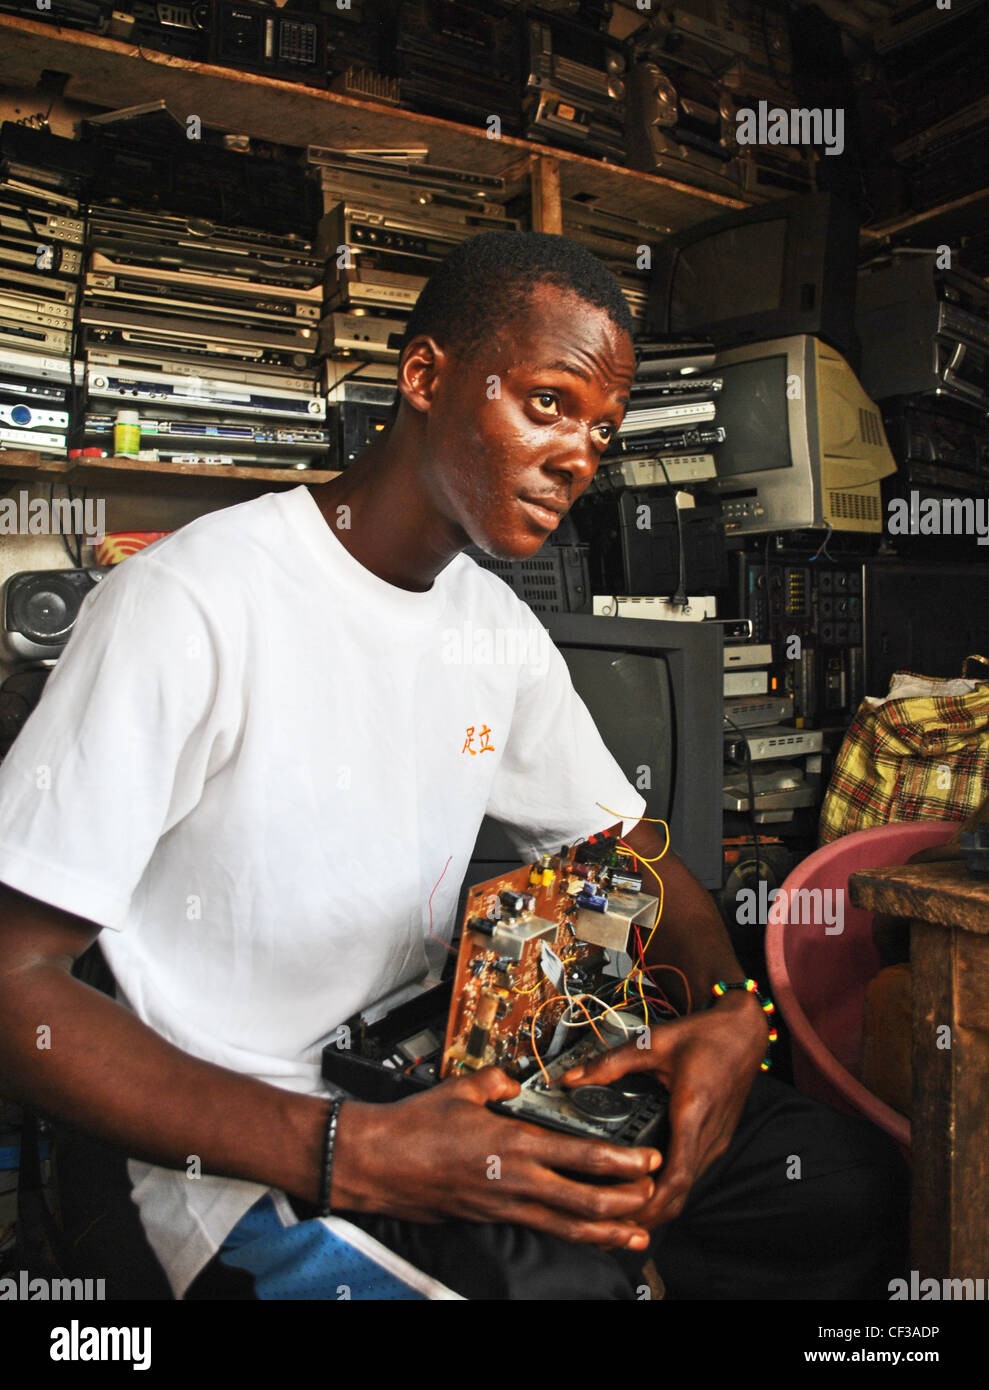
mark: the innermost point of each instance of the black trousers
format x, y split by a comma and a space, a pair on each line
805, 1204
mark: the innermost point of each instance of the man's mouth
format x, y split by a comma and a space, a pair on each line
546, 513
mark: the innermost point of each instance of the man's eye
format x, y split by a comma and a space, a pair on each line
606, 433
546, 400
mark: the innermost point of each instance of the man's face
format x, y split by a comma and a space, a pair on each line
515, 434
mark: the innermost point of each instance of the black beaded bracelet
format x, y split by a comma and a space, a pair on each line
329, 1142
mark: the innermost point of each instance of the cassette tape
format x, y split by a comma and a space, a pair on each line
23, 416
361, 335
202, 393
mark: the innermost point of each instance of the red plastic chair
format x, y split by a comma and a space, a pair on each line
819, 979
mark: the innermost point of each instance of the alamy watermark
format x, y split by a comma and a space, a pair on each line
26, 1288
915, 515
776, 125
803, 906
37, 516
472, 644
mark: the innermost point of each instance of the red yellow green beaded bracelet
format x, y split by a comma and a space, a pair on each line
765, 1003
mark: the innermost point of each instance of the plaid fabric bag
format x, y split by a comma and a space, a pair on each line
919, 753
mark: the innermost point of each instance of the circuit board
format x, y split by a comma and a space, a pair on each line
533, 945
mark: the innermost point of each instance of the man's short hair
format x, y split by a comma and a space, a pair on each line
487, 281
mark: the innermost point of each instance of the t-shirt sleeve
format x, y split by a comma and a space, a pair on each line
117, 751
556, 776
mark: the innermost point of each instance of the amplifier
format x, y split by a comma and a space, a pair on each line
681, 124
944, 435
26, 220
27, 254
755, 711
778, 741
745, 683
655, 472
641, 544
460, 60
362, 335
923, 329
363, 413
575, 86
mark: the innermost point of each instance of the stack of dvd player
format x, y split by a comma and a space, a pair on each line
669, 430
387, 224
623, 243
210, 333
41, 239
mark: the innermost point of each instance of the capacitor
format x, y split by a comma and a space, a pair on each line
512, 902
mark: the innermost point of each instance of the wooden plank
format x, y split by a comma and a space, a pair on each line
126, 472
109, 73
944, 893
933, 1097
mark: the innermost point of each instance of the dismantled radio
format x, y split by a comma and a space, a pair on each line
530, 995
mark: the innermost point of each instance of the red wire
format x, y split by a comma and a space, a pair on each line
445, 944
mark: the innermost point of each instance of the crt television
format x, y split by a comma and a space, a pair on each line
655, 692
804, 445
784, 267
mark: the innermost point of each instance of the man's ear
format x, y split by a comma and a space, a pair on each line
419, 371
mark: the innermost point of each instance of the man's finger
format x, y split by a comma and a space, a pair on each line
609, 1066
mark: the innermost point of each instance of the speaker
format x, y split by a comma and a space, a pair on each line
40, 608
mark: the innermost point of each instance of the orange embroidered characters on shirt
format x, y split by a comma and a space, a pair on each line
485, 746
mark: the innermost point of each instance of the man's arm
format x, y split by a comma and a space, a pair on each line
427, 1158
707, 1060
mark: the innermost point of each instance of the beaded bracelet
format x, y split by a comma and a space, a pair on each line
329, 1142
766, 1004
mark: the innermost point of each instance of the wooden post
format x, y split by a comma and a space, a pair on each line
547, 213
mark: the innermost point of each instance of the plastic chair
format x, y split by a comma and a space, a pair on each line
819, 978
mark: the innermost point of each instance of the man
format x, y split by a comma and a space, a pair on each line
254, 766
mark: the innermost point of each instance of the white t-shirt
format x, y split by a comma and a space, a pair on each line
253, 763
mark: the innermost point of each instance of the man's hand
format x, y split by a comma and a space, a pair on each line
707, 1062
445, 1156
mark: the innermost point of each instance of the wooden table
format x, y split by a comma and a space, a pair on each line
948, 910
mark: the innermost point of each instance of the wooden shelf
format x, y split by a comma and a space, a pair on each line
111, 74
133, 474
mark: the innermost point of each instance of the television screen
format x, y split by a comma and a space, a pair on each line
752, 408
628, 697
707, 287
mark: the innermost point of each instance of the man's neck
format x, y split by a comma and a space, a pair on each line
380, 511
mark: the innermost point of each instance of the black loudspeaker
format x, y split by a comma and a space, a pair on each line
743, 905
40, 607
